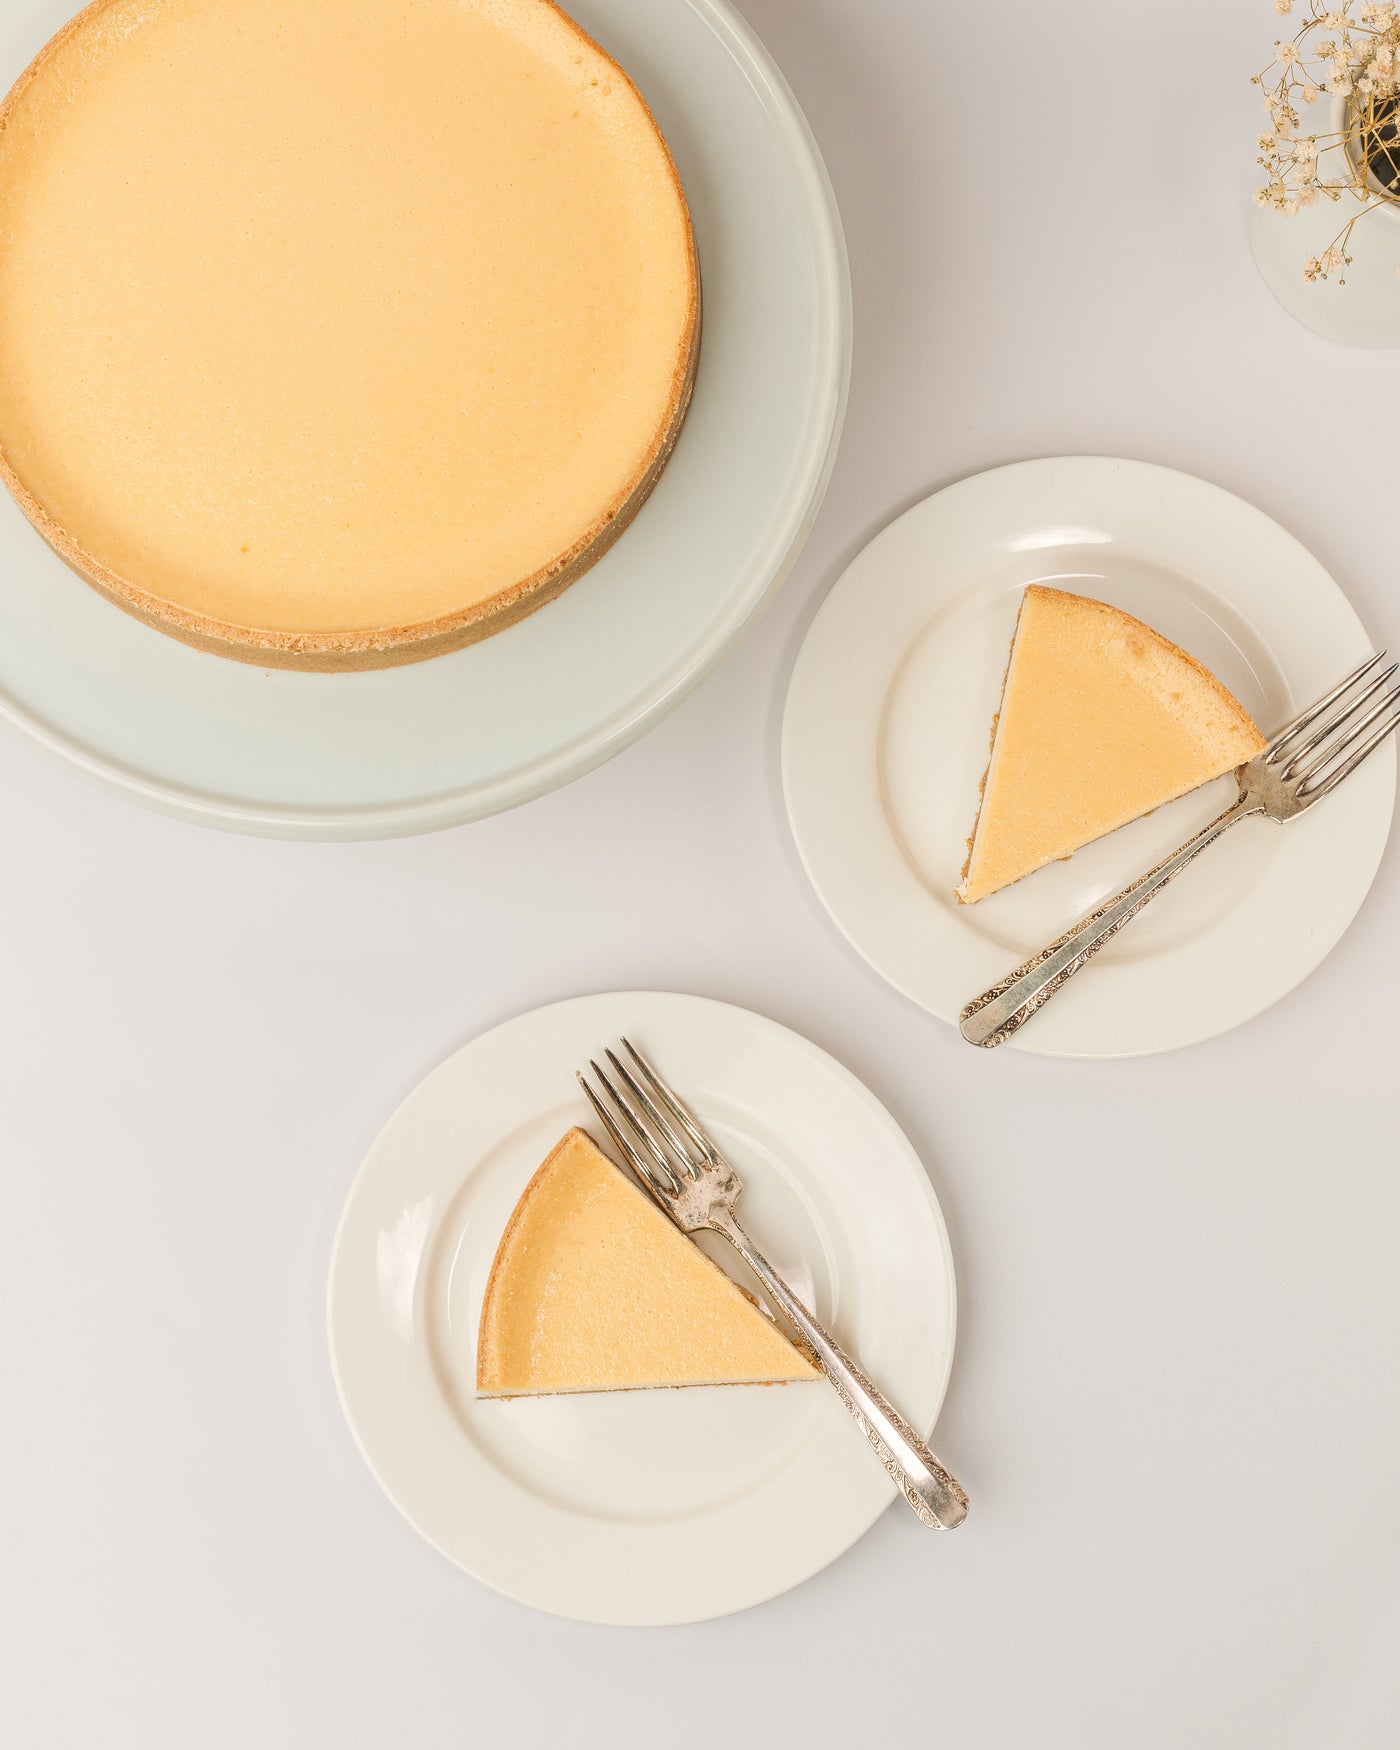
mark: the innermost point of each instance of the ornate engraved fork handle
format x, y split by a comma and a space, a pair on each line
994, 1016
937, 1498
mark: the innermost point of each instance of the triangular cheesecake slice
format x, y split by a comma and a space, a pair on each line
1102, 720
594, 1289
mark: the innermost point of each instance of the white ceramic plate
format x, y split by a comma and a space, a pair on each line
886, 733
412, 749
636, 1508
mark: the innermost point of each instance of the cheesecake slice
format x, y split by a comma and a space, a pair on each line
336, 333
594, 1289
1102, 720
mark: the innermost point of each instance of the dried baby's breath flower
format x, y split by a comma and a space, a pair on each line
1360, 63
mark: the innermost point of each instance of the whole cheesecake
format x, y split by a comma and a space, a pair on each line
336, 333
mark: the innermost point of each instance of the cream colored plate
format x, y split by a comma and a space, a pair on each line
413, 749
636, 1508
886, 736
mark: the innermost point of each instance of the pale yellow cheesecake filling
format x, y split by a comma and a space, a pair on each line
335, 314
1102, 720
594, 1289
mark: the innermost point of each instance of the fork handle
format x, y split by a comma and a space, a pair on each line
936, 1496
993, 1017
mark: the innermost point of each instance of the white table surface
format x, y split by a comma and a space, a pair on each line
1176, 1399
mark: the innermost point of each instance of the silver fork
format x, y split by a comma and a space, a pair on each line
688, 1177
1304, 762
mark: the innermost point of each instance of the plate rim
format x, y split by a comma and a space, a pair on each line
882, 1493
628, 723
798, 804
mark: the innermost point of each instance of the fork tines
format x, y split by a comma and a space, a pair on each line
650, 1124
1331, 729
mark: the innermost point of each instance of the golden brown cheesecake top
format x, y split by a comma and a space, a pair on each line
335, 314
1102, 720
594, 1289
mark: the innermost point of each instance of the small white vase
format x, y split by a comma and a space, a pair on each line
1366, 310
